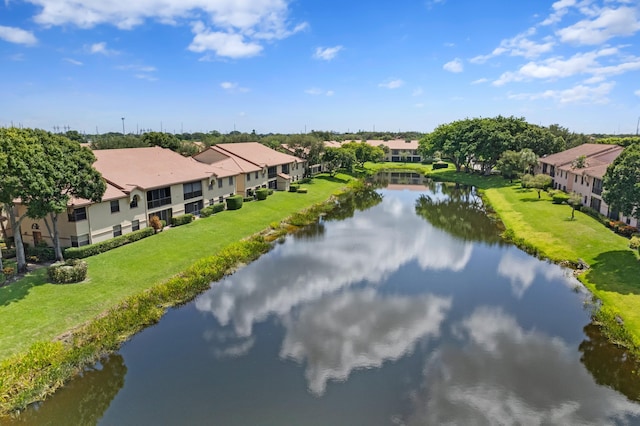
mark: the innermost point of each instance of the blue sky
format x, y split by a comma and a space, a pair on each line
287, 66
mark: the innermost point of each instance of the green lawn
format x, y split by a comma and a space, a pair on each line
33, 309
614, 276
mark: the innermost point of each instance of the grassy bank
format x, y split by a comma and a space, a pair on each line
547, 229
34, 373
34, 310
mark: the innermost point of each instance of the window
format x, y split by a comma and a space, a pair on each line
165, 215
230, 180
117, 230
158, 197
115, 206
134, 203
595, 204
192, 190
135, 225
575, 178
210, 185
285, 169
219, 183
248, 177
256, 175
194, 208
80, 240
220, 199
76, 215
273, 172
597, 186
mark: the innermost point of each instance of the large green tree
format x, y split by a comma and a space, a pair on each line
621, 183
68, 173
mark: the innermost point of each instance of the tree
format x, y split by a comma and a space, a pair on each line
338, 158
575, 201
538, 182
364, 152
24, 160
68, 173
621, 182
509, 164
528, 160
161, 139
453, 141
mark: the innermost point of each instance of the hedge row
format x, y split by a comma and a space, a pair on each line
293, 188
234, 202
70, 271
439, 165
97, 248
182, 219
209, 210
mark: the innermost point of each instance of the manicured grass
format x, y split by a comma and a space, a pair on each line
33, 310
614, 276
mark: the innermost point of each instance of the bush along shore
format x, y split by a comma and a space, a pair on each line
33, 375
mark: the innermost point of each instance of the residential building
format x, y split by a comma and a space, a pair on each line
257, 165
396, 150
141, 183
581, 170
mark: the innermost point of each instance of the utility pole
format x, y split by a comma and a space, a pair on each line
638, 126
122, 126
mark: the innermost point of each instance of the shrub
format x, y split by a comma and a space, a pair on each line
217, 208
97, 248
247, 199
270, 191
234, 202
70, 271
42, 252
302, 190
293, 188
439, 165
181, 219
305, 180
155, 223
626, 230
8, 253
262, 193
560, 198
8, 270
207, 211
634, 243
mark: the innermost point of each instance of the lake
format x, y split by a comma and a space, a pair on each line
402, 307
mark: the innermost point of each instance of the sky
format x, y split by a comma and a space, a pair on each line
290, 66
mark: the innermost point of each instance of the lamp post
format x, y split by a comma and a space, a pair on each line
122, 126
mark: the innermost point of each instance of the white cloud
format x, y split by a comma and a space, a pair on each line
608, 24
223, 44
146, 77
454, 66
73, 61
233, 87
417, 92
237, 29
327, 53
316, 91
560, 8
138, 68
557, 67
520, 45
17, 35
100, 48
637, 93
577, 94
392, 84
480, 81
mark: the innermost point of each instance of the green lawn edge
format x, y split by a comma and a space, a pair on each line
546, 230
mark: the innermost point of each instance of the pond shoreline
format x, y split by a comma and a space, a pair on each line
31, 376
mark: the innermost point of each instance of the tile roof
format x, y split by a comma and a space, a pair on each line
233, 162
257, 154
596, 165
588, 150
391, 144
149, 168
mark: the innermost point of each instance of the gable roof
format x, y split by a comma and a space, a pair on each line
233, 162
256, 153
589, 150
596, 165
149, 168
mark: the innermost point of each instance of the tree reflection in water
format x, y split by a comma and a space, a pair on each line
83, 401
609, 364
461, 214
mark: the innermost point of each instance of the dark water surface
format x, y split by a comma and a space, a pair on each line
410, 312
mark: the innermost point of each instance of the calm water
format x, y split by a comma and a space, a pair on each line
407, 312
